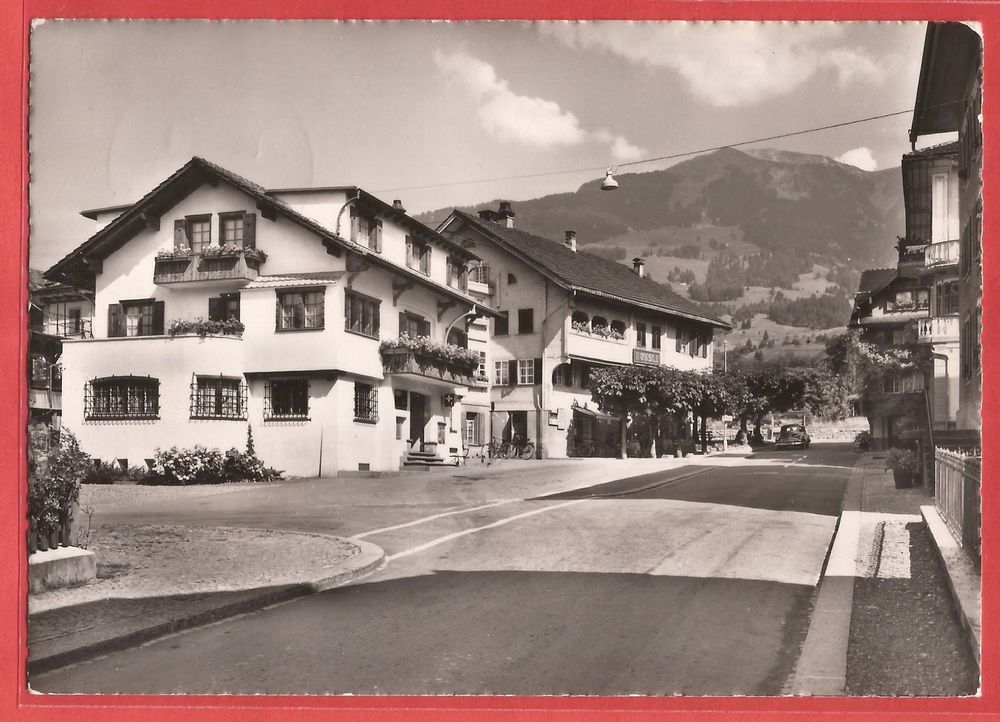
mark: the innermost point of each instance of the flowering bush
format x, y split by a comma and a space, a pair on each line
231, 249
188, 466
581, 326
229, 327
54, 483
208, 466
462, 359
902, 460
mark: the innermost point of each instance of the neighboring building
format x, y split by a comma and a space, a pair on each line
56, 312
949, 99
301, 286
562, 312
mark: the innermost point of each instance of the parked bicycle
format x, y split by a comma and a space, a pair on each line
517, 446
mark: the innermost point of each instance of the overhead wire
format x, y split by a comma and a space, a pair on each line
672, 156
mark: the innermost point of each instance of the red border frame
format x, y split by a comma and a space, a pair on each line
17, 703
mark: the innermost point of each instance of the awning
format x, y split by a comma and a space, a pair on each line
600, 416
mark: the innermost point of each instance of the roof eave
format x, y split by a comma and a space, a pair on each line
654, 307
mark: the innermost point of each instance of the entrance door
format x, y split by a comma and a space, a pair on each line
519, 424
418, 419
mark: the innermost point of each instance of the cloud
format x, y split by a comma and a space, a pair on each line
517, 118
727, 64
862, 158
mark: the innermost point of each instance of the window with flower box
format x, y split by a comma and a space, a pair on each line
231, 229
300, 309
286, 400
142, 317
218, 397
199, 232
122, 398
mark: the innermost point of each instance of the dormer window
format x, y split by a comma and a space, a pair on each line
366, 230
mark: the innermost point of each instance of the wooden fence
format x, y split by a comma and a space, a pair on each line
957, 495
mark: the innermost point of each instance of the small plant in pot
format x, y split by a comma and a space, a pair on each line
904, 465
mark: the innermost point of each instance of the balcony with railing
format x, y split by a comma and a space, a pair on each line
597, 343
940, 254
480, 280
896, 312
937, 329
215, 264
446, 364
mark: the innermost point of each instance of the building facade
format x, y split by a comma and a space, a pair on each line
561, 313
318, 317
949, 100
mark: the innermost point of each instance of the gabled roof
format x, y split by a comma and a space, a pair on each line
73, 268
952, 54
590, 274
875, 279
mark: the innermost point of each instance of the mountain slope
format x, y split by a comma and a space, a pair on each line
776, 200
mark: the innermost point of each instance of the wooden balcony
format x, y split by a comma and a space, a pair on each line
238, 266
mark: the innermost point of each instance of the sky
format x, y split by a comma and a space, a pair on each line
420, 110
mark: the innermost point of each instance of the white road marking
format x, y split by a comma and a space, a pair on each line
466, 532
785, 466
426, 519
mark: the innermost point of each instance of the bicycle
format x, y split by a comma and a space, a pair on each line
517, 447
586, 448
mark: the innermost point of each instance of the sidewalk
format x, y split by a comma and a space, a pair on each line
885, 622
154, 580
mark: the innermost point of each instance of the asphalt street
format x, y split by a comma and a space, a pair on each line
695, 580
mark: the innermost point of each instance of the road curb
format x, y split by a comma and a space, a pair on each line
370, 558
821, 669
964, 583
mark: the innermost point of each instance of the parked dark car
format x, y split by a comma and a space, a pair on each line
791, 436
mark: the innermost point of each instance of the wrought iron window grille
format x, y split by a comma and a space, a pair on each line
122, 398
218, 397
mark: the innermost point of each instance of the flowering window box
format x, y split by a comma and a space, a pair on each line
423, 357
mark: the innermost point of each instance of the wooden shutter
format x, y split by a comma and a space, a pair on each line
157, 318
425, 328
115, 327
375, 318
249, 230
180, 233
354, 225
216, 309
538, 371
680, 337
409, 252
512, 372
277, 310
402, 324
425, 260
378, 235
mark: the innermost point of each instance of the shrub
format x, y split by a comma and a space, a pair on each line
188, 466
241, 466
101, 473
54, 483
902, 460
229, 327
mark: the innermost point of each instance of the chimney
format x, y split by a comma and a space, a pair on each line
505, 214
398, 205
570, 241
488, 214
639, 267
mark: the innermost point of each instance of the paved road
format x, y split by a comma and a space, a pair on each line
692, 580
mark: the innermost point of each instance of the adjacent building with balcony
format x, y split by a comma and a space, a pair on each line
561, 313
56, 312
318, 316
949, 100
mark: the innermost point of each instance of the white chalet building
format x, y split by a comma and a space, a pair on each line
316, 278
559, 314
